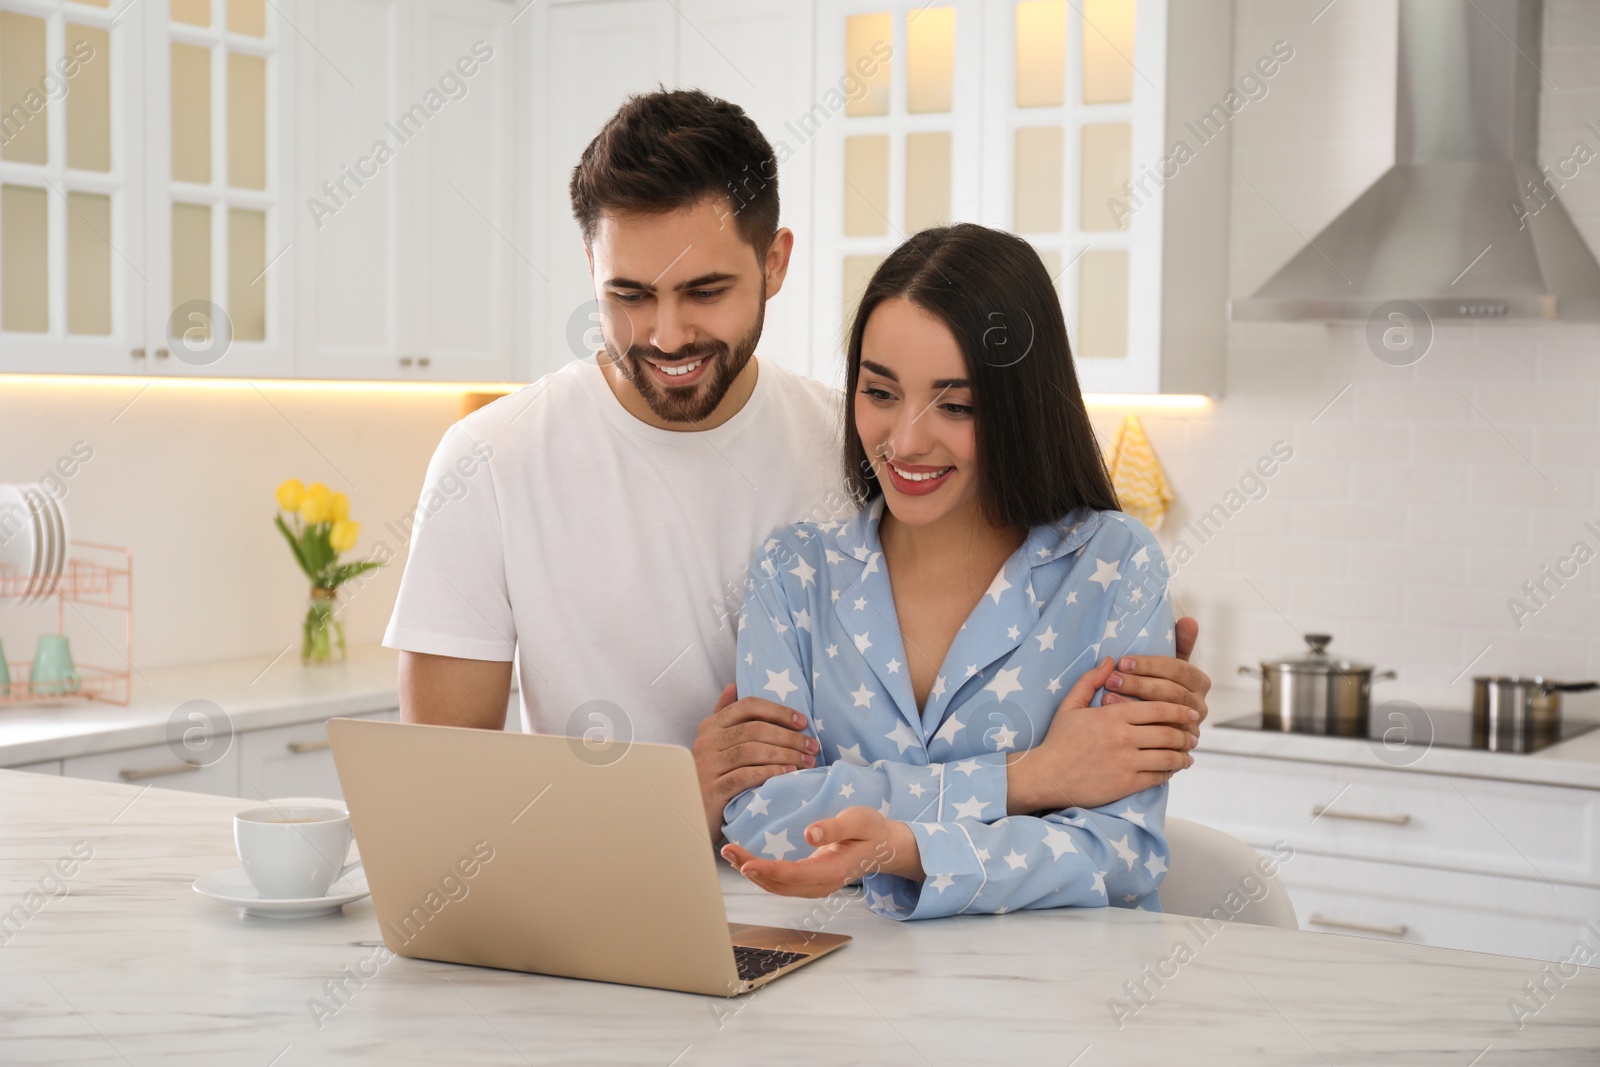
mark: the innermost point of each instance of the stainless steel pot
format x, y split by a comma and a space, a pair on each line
1315, 693
1512, 713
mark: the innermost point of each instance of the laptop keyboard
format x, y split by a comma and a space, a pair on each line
753, 963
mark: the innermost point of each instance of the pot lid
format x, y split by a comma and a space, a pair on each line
1317, 660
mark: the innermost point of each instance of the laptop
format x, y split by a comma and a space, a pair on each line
550, 855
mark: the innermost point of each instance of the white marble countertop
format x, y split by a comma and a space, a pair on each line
1570, 763
255, 694
132, 966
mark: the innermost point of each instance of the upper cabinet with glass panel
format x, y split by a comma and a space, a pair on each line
64, 186
1049, 118
143, 182
900, 110
226, 205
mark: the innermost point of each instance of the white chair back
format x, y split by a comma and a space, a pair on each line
1217, 876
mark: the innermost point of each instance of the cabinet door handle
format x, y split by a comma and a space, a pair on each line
1318, 810
158, 772
1365, 928
300, 747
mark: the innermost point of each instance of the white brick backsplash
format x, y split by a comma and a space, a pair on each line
1411, 403
1504, 570
1473, 444
1560, 445
1409, 483
1463, 361
1392, 644
1322, 604
1454, 606
1291, 558
1308, 480
1431, 564
1529, 652
1570, 363
1347, 521
1445, 525
1539, 405
1544, 486
1350, 443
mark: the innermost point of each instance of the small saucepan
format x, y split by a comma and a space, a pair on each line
1315, 693
1512, 713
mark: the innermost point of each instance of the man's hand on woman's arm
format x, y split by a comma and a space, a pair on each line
1165, 679
1095, 756
1138, 739
741, 744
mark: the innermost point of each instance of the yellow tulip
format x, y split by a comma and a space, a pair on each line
339, 509
317, 503
342, 538
290, 493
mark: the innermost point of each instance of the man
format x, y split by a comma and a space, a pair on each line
593, 528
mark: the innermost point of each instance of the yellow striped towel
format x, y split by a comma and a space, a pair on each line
1136, 475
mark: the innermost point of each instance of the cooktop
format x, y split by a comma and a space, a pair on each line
1400, 732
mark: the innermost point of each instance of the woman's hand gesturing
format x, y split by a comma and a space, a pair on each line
858, 841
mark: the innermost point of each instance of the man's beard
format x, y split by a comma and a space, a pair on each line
696, 402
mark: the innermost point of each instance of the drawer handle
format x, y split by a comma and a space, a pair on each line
1319, 810
301, 747
1365, 928
159, 772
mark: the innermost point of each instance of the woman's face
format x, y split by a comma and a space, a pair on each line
913, 410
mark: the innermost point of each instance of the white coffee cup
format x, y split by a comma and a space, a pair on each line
294, 849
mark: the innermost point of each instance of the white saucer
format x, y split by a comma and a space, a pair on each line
233, 887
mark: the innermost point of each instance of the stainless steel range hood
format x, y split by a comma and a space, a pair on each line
1465, 224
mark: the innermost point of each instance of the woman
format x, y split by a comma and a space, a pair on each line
927, 638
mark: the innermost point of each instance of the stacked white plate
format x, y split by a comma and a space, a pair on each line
34, 539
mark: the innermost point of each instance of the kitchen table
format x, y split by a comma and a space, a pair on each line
130, 965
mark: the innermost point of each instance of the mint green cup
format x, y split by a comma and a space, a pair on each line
53, 672
5, 673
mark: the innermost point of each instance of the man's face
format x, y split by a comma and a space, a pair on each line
682, 299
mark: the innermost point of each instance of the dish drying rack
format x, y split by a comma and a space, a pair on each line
96, 576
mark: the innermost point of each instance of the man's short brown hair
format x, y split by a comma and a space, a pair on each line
667, 150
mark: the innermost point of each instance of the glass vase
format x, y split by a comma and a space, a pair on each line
322, 635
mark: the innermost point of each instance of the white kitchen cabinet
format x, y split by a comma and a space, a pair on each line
1471, 863
49, 766
1426, 820
291, 761
351, 209
219, 211
160, 193
73, 261
407, 192
279, 761
1033, 117
1448, 909
242, 168
159, 766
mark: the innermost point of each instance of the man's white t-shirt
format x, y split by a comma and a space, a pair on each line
607, 556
